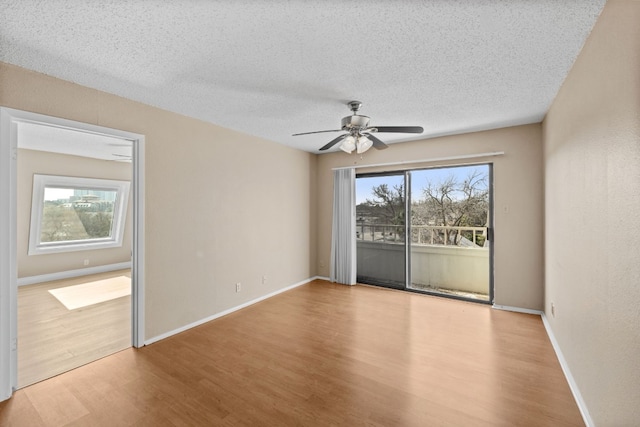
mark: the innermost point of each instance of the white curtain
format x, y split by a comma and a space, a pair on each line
343, 239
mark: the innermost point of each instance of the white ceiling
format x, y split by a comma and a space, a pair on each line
280, 67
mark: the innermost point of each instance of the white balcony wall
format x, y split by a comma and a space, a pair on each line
383, 262
450, 267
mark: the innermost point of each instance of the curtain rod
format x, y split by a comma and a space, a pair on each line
436, 159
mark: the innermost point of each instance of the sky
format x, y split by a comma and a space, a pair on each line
419, 179
57, 193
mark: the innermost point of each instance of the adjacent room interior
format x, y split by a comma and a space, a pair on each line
74, 246
238, 224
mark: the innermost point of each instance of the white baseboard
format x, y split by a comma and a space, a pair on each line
517, 309
582, 406
225, 312
72, 273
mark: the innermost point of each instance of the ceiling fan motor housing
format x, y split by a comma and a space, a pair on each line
355, 122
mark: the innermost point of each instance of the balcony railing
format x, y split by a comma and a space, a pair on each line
423, 234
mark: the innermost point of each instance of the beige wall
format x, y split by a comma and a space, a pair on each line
38, 162
518, 272
221, 206
592, 259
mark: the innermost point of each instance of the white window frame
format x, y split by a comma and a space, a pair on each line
40, 182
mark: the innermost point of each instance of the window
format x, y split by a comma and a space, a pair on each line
75, 214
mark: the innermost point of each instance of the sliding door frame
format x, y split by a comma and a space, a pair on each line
407, 227
403, 174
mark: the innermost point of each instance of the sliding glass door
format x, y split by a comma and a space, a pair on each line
426, 231
381, 230
449, 225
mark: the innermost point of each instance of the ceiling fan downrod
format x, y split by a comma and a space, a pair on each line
355, 106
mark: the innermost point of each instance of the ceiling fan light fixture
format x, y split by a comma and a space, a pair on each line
363, 144
348, 144
358, 134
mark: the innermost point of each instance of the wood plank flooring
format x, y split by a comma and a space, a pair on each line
319, 355
53, 339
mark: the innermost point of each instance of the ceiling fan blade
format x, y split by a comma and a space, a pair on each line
333, 142
377, 144
318, 131
399, 129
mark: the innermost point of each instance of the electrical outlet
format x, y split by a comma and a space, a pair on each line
86, 262
238, 286
553, 310
264, 280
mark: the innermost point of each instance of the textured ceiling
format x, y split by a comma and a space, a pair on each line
273, 68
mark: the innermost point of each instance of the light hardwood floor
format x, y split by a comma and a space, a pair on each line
319, 355
53, 339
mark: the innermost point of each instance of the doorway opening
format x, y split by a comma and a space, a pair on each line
67, 250
427, 230
74, 281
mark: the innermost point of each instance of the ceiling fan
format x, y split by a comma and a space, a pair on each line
358, 134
